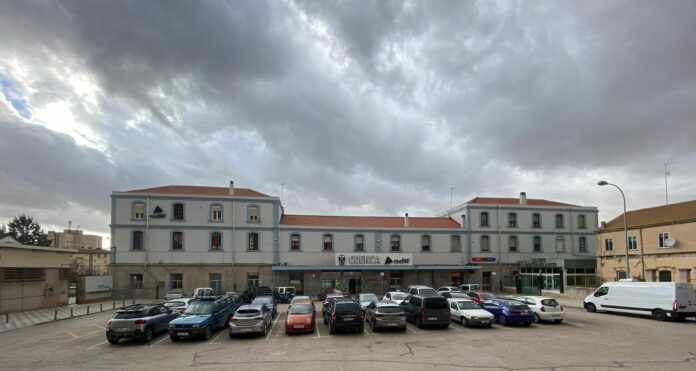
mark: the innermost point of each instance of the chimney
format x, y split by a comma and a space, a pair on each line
406, 220
523, 198
464, 221
231, 187
603, 225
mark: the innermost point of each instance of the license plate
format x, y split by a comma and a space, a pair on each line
556, 316
122, 330
392, 324
246, 330
298, 326
182, 334
348, 318
484, 321
432, 318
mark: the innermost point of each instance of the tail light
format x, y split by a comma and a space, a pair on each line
109, 324
140, 322
362, 316
333, 317
543, 309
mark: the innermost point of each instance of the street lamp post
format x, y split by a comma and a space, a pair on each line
603, 183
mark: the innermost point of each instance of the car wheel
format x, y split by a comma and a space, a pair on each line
149, 335
332, 330
325, 321
231, 336
373, 324
207, 333
419, 324
112, 340
590, 307
659, 314
558, 320
361, 329
265, 330
229, 319
537, 319
464, 322
174, 338
501, 320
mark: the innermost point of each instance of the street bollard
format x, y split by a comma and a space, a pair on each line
55, 315
87, 308
101, 309
114, 307
7, 318
71, 312
124, 302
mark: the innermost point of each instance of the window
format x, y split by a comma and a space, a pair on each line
295, 242
485, 243
178, 212
537, 244
215, 280
136, 281
177, 241
253, 240
633, 243
359, 242
582, 244
664, 276
425, 243
177, 281
455, 243
536, 220
608, 244
661, 239
581, 222
138, 211
685, 275
328, 242
395, 242
137, 240
559, 220
512, 220
513, 243
253, 214
395, 278
252, 279
216, 241
216, 213
484, 219
560, 244
25, 274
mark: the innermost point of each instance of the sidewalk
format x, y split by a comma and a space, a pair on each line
12, 321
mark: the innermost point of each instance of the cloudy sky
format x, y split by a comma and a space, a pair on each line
359, 108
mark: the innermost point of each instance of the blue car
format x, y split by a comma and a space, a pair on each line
269, 302
202, 317
507, 312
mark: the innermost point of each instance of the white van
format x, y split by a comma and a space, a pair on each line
661, 300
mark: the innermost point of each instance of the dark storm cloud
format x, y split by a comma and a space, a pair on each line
371, 107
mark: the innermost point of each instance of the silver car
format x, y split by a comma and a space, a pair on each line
385, 314
251, 318
365, 299
140, 322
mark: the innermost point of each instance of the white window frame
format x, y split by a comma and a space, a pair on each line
661, 237
633, 243
608, 244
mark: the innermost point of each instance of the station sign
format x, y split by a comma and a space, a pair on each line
373, 259
483, 259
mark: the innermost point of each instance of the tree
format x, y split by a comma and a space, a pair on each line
26, 231
3, 231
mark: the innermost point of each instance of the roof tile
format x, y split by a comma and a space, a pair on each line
201, 190
677, 212
515, 201
367, 221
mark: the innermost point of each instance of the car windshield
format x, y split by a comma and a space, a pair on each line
368, 297
468, 305
247, 313
129, 315
289, 290
174, 304
549, 302
485, 296
398, 296
263, 300
199, 307
389, 309
435, 303
264, 291
460, 295
301, 309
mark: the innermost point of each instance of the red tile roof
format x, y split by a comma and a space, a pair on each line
201, 190
367, 221
515, 201
681, 212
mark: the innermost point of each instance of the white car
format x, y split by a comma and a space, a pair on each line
448, 289
179, 305
395, 296
365, 299
468, 313
544, 308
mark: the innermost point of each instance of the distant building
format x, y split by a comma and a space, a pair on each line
519, 242
91, 262
74, 239
661, 244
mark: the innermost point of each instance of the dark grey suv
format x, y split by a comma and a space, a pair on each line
140, 322
426, 310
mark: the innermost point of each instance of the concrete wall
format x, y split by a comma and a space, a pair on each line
23, 296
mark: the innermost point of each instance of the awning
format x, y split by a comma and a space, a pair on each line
373, 267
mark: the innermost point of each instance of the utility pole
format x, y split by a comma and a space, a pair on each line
451, 198
667, 173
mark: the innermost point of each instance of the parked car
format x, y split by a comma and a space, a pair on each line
236, 298
297, 298
322, 295
365, 299
661, 300
385, 314
178, 304
395, 296
344, 315
480, 296
330, 296
284, 294
202, 317
329, 303
268, 301
508, 312
203, 292
251, 318
301, 318
543, 308
140, 322
468, 313
174, 294
470, 287
448, 289
426, 310
252, 292
422, 290
455, 295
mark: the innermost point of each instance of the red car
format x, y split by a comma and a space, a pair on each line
480, 296
301, 317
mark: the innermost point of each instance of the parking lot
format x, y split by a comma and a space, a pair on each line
583, 341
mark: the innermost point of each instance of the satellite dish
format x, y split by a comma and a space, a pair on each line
669, 242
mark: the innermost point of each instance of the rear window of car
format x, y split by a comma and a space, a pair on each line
519, 306
426, 292
247, 313
435, 303
549, 302
174, 304
398, 295
389, 309
263, 300
264, 291
348, 308
129, 315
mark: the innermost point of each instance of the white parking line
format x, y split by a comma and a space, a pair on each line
369, 333
224, 331
100, 326
456, 329
412, 330
574, 323
159, 341
95, 346
268, 336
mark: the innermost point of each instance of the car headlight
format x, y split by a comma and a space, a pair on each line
474, 317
